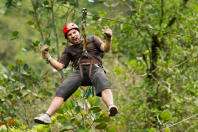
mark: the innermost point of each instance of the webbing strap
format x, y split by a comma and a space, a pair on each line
84, 15
89, 91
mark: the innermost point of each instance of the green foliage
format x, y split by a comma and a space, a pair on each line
166, 115
81, 114
152, 68
17, 86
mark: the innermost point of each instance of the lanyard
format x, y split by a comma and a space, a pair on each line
84, 16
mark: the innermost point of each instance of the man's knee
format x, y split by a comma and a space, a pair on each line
59, 99
106, 91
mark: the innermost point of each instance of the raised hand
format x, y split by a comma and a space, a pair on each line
45, 52
107, 33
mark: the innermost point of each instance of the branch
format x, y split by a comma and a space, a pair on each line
36, 19
181, 63
162, 12
145, 60
171, 22
185, 2
154, 54
68, 12
53, 21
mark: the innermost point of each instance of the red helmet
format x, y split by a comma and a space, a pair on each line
68, 27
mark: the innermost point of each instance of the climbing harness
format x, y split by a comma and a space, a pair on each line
84, 52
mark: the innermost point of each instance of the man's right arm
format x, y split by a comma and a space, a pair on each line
57, 65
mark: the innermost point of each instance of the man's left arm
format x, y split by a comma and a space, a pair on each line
107, 36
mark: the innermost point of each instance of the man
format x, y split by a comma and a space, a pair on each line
88, 69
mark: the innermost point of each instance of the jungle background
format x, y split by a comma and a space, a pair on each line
152, 65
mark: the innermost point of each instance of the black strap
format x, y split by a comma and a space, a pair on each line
92, 38
97, 53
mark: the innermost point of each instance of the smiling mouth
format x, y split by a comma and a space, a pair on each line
75, 39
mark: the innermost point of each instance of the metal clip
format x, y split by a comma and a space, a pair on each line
84, 15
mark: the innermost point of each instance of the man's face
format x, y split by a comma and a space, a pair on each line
73, 36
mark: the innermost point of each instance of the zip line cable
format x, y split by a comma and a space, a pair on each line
180, 121
142, 27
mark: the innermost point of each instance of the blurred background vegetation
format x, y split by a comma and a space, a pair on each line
152, 66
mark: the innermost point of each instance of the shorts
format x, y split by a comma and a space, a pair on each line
98, 79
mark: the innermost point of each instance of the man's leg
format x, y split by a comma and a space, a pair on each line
65, 90
55, 105
101, 84
107, 97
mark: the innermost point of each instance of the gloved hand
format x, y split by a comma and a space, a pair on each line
44, 51
107, 33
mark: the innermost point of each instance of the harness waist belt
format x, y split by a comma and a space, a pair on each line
85, 64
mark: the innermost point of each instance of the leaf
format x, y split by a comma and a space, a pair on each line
95, 109
166, 115
77, 109
30, 23
94, 101
36, 43
167, 130
61, 119
92, 1
11, 67
51, 26
74, 3
151, 130
132, 63
101, 126
46, 2
47, 42
69, 104
118, 70
56, 84
103, 119
67, 125
25, 67
114, 5
15, 33
10, 96
111, 129
42, 128
77, 94
2, 11
97, 101
19, 62
95, 16
65, 129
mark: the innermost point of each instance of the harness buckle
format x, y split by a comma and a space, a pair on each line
85, 53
